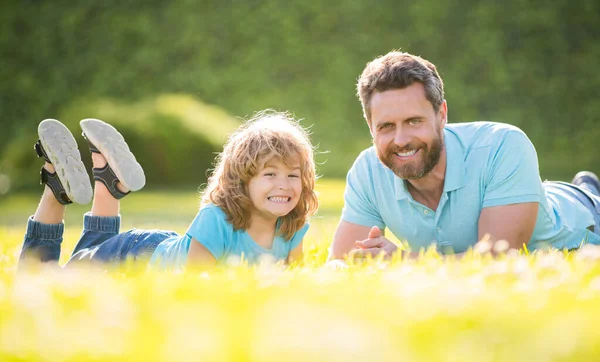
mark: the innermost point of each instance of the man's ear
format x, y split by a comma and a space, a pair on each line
443, 114
369, 125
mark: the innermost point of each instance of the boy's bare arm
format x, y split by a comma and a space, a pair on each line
199, 256
297, 254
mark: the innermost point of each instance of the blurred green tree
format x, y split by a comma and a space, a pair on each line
528, 63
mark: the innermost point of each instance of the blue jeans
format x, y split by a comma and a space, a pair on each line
587, 196
100, 241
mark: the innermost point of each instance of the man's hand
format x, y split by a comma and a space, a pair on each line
374, 245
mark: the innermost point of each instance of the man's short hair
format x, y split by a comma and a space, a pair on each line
398, 70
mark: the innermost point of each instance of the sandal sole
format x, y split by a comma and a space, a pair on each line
61, 148
115, 150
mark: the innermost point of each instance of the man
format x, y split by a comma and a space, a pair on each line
450, 185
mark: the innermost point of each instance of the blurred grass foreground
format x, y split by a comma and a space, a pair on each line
541, 307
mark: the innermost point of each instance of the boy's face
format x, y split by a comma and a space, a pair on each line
275, 190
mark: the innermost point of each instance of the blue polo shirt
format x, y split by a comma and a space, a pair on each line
211, 229
488, 164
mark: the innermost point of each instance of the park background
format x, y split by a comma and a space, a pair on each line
176, 77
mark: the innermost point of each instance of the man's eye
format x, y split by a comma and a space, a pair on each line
415, 121
385, 126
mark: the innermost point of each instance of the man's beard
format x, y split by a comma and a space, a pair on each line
417, 168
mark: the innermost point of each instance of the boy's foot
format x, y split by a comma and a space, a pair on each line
587, 180
121, 167
69, 182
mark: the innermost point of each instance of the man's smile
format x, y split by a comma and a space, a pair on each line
406, 155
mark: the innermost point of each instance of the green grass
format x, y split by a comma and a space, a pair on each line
541, 307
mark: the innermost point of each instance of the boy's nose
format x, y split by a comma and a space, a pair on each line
284, 185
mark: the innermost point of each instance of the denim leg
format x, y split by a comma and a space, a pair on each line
132, 245
145, 243
587, 197
96, 230
595, 209
589, 188
42, 241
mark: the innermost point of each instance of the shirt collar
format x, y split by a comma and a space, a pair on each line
455, 177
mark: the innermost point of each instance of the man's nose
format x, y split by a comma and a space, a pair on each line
401, 138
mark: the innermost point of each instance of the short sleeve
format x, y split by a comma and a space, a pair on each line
211, 229
513, 173
359, 205
298, 237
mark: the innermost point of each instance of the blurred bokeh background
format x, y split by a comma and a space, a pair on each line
177, 76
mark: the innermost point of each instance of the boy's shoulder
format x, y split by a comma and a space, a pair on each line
212, 209
211, 214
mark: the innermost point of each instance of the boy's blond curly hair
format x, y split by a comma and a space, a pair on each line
267, 135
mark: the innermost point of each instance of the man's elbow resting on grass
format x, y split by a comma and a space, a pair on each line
514, 223
344, 239
360, 241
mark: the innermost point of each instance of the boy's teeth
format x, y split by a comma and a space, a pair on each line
279, 199
407, 153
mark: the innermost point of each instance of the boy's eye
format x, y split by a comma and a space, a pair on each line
269, 174
295, 176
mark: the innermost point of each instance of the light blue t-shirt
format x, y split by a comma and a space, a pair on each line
211, 228
488, 164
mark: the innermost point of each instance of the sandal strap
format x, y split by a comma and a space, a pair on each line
91, 146
53, 182
107, 176
41, 152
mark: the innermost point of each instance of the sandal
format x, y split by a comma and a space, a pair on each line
121, 164
70, 181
